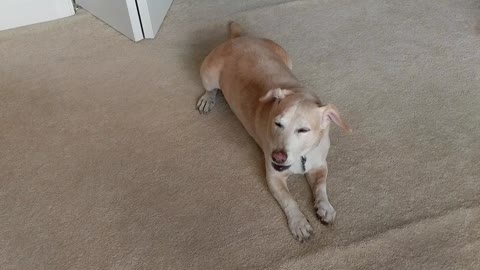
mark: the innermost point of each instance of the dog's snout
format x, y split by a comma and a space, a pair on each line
279, 156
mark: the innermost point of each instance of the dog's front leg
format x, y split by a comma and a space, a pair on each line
298, 224
317, 178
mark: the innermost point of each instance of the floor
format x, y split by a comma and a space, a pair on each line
105, 164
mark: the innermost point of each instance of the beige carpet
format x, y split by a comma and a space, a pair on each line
105, 164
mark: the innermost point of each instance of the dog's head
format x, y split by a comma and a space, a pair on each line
297, 123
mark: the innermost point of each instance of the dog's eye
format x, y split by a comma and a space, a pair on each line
303, 130
278, 125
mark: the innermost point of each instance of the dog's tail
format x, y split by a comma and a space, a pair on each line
234, 29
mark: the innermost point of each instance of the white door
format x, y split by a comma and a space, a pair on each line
137, 19
152, 13
15, 13
119, 14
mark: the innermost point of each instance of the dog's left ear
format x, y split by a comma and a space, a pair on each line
330, 114
275, 94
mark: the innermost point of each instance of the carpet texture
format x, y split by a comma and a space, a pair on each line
105, 164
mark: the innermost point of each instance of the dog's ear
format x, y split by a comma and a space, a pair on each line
275, 94
329, 113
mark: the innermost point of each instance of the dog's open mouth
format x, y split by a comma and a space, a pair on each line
280, 168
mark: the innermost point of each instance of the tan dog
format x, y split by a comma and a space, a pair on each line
290, 125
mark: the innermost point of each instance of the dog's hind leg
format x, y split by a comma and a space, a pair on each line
210, 74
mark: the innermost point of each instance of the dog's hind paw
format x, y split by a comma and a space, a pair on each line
206, 103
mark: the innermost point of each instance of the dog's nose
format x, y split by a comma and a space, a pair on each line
279, 156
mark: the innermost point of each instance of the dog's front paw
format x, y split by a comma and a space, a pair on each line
325, 212
300, 227
206, 103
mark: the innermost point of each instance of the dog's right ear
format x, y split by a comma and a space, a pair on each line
275, 94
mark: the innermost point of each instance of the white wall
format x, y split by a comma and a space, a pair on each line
15, 13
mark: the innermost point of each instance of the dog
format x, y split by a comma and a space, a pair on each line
290, 124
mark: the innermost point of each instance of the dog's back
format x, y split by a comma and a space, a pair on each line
245, 68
